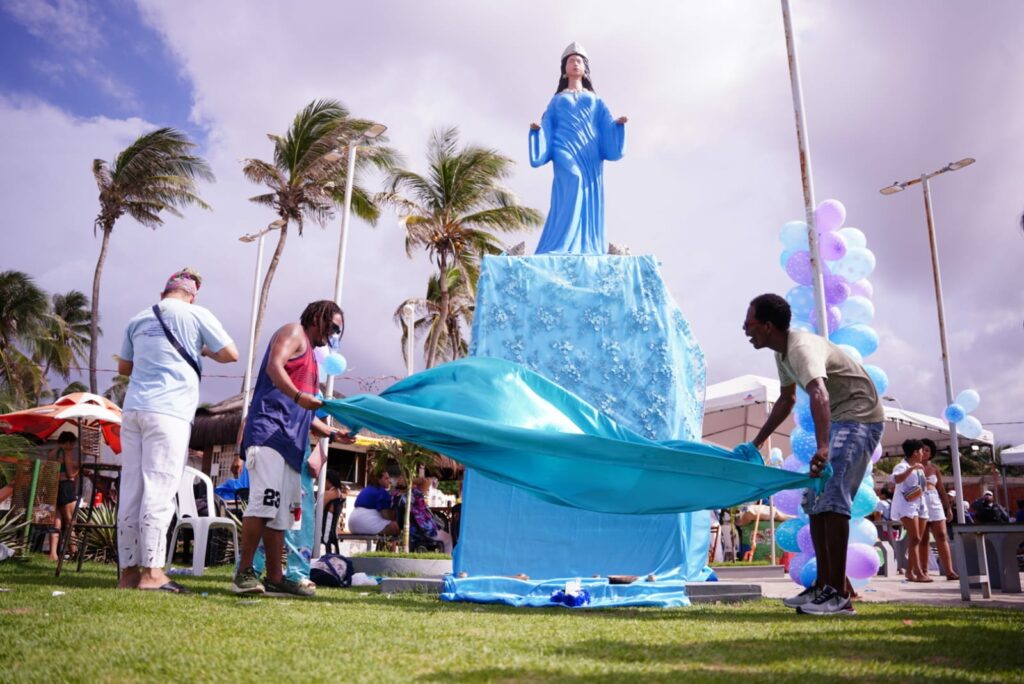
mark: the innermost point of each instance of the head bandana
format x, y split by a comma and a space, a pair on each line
186, 280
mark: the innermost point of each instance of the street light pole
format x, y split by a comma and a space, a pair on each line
372, 132
817, 278
250, 356
954, 445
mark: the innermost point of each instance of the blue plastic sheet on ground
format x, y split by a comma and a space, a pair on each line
537, 594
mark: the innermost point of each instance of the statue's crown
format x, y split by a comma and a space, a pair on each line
575, 48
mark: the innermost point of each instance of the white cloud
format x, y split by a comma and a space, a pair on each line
63, 22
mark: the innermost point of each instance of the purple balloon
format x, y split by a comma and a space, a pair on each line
799, 268
796, 565
792, 464
836, 290
861, 561
831, 246
803, 540
862, 288
877, 454
809, 572
788, 501
829, 215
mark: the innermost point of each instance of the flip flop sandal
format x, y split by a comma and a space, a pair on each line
170, 587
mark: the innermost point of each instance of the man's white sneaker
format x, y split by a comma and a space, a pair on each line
828, 602
805, 596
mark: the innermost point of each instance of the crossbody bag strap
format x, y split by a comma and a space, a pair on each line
177, 345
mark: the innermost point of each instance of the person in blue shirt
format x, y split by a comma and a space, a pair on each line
163, 392
374, 512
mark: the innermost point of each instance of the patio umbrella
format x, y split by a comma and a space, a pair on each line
78, 408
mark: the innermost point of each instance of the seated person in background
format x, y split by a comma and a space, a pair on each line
986, 510
421, 520
374, 512
953, 503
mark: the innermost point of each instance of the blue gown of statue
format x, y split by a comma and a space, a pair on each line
577, 135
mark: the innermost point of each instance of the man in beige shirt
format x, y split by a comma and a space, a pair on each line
847, 426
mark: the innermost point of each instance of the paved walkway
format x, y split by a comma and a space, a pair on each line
889, 589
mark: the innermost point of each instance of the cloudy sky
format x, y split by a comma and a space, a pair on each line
710, 175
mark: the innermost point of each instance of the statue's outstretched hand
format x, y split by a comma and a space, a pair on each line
621, 120
534, 127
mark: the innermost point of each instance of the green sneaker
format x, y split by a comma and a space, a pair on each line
288, 587
247, 582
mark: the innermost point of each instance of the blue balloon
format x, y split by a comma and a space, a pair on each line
804, 444
804, 419
809, 572
865, 501
863, 531
335, 364
801, 301
794, 236
857, 309
954, 413
785, 535
878, 377
969, 399
861, 337
970, 427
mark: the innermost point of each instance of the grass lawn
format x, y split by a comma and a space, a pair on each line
97, 634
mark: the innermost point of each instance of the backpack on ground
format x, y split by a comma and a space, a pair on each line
331, 570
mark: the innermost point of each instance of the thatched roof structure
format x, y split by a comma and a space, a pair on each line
216, 423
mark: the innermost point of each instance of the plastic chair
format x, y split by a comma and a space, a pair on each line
188, 516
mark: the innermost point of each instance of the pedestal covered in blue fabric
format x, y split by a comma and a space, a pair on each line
605, 328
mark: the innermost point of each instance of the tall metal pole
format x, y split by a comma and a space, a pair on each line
338, 282
251, 354
817, 279
954, 445
960, 557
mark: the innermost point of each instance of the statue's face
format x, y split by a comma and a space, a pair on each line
575, 67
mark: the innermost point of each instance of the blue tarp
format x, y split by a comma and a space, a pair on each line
520, 429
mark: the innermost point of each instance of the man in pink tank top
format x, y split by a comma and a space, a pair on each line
275, 439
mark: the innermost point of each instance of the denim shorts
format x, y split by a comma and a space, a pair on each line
849, 453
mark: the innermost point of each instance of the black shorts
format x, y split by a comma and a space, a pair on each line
66, 492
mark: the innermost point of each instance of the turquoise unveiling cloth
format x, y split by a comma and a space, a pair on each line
516, 427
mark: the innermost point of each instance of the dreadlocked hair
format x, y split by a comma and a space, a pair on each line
321, 312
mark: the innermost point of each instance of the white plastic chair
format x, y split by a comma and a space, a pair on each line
188, 516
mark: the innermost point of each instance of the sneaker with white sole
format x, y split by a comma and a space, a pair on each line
288, 588
805, 596
828, 602
247, 582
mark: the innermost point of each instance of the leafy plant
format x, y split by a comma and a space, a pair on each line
409, 458
12, 529
101, 544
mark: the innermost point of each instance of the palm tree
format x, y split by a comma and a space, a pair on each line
155, 174
452, 211
23, 319
451, 343
410, 459
117, 390
307, 176
66, 339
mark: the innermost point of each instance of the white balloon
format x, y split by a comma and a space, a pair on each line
968, 399
854, 237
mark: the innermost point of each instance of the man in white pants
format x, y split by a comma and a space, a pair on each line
160, 352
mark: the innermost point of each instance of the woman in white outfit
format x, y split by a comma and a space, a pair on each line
908, 505
940, 512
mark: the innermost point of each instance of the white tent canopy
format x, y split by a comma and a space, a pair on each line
734, 410
1014, 456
